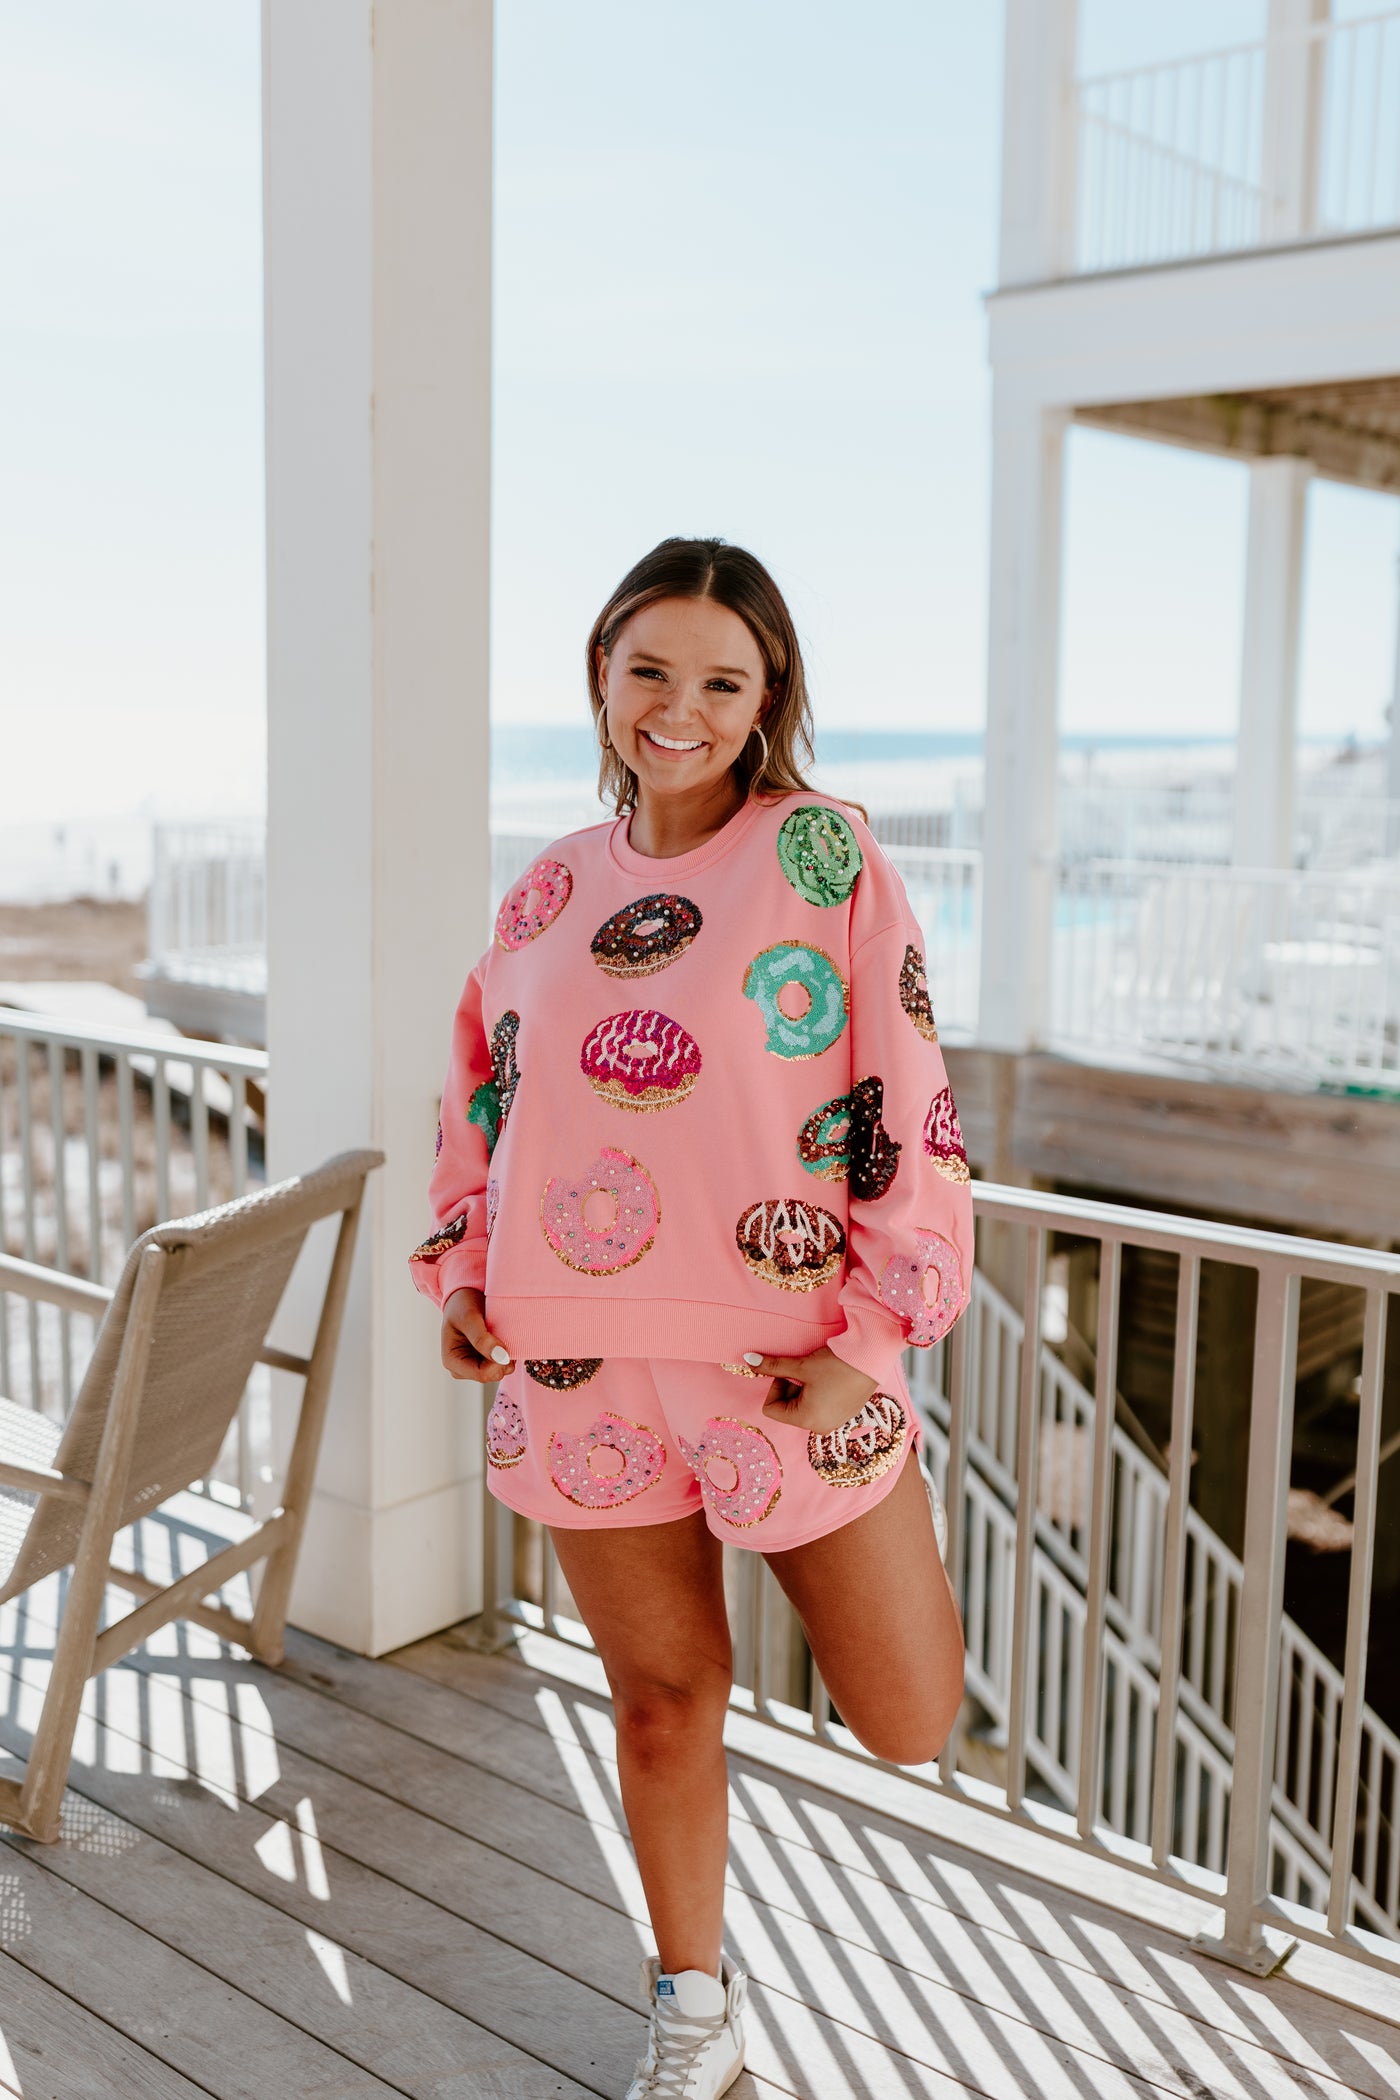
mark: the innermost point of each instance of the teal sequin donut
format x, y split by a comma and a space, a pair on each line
828, 998
819, 854
824, 1141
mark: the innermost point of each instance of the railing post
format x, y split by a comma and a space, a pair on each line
1243, 1941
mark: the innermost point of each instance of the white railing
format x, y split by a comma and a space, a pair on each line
102, 1134
1292, 977
945, 890
1155, 1700
1194, 823
1289, 137
1310, 1687
206, 912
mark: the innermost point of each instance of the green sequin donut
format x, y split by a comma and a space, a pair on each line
792, 962
824, 1141
818, 853
484, 1109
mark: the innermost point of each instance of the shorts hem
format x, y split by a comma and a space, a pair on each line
595, 1520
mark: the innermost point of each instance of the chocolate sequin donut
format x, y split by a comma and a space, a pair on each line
437, 1243
874, 1153
861, 1450
913, 994
793, 1243
646, 936
563, 1374
943, 1138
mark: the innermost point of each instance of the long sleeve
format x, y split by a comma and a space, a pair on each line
454, 1253
909, 1237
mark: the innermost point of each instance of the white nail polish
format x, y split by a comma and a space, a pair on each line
750, 1358
500, 1355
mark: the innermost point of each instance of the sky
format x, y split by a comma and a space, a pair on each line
740, 261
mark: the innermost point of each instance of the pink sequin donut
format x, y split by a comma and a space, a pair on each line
601, 1248
736, 1448
493, 1204
505, 1432
642, 1060
638, 1456
534, 903
926, 1290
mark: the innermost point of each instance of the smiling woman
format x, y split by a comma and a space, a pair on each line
687, 1224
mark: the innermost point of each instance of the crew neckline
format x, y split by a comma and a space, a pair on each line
663, 867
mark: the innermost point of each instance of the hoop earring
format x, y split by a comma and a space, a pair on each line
764, 741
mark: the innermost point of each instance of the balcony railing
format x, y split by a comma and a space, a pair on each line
102, 1134
1287, 977
1155, 1704
1291, 137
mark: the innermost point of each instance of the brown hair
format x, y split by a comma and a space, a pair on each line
678, 568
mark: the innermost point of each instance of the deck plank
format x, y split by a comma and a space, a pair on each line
163, 2001
385, 2025
51, 2048
935, 2026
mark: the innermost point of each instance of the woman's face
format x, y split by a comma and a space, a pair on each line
688, 671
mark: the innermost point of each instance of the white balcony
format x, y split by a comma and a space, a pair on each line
1293, 137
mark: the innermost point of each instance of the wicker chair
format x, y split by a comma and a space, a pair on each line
180, 1334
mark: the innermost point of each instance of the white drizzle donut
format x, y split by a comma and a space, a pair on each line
739, 1448
505, 1432
862, 1449
927, 1289
790, 1242
601, 1250
535, 902
570, 1460
642, 1060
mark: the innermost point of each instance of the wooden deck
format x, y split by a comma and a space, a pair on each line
348, 1878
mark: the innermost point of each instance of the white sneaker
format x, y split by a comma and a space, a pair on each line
695, 2050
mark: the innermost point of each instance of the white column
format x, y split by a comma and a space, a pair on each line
1390, 787
377, 143
1039, 137
1293, 83
1265, 744
1018, 823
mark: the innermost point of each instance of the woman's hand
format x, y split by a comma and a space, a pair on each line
469, 1349
817, 1392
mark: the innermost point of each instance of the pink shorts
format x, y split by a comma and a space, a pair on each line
596, 1443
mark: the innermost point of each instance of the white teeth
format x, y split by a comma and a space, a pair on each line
670, 743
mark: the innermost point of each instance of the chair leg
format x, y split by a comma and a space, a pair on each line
46, 1776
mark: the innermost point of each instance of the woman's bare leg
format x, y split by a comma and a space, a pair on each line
882, 1622
653, 1599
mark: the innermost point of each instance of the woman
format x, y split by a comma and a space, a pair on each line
699, 1183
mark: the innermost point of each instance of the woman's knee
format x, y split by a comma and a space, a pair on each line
912, 1730
660, 1714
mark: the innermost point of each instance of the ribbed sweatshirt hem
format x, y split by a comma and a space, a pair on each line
650, 1327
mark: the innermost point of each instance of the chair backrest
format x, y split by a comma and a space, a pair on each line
224, 1276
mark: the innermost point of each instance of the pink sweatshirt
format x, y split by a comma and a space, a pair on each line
697, 1106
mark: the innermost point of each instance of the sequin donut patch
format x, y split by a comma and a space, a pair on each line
534, 903
490, 1104
646, 936
913, 993
817, 978
506, 1440
641, 1060
563, 1374
601, 1247
874, 1153
739, 1472
927, 1289
437, 1243
493, 1203
824, 1141
791, 1242
819, 854
612, 1462
943, 1138
862, 1449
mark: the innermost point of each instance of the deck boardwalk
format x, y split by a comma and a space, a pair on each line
346, 1878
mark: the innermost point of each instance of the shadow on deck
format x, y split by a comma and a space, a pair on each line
351, 1878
